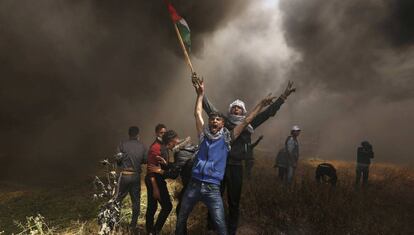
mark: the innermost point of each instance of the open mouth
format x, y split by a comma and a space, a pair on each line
214, 127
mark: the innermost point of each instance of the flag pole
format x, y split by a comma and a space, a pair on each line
186, 56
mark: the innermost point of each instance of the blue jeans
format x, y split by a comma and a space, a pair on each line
210, 195
290, 174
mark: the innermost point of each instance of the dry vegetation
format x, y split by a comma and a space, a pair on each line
385, 207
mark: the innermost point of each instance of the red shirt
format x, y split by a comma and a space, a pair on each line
155, 150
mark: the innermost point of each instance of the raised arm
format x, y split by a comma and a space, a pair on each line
264, 102
257, 141
198, 109
208, 106
274, 107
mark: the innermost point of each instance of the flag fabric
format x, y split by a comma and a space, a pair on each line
181, 24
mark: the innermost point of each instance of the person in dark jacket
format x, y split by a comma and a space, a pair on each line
157, 191
130, 155
249, 162
183, 160
210, 162
364, 155
233, 178
282, 164
326, 173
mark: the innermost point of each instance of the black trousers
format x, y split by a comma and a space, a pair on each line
185, 182
282, 173
130, 184
364, 172
249, 163
152, 205
233, 180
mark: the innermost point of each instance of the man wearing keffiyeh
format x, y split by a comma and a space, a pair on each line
233, 178
210, 162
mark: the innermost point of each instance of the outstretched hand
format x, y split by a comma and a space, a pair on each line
289, 89
268, 100
198, 84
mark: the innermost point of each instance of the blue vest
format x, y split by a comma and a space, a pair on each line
210, 161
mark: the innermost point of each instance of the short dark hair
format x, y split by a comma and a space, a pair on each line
216, 114
159, 126
133, 131
366, 144
168, 136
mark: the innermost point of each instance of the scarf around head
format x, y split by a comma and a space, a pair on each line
238, 119
223, 132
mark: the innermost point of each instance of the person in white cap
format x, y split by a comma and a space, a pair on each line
233, 178
292, 150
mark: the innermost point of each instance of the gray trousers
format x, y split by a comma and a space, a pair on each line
130, 184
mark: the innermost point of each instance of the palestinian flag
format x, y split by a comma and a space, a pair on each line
181, 24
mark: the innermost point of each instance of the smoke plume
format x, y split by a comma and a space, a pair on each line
77, 74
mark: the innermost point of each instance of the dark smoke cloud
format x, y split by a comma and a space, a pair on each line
76, 74
355, 73
347, 45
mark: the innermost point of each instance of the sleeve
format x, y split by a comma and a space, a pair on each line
144, 156
269, 112
208, 106
155, 150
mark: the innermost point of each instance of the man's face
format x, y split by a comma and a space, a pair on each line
161, 132
173, 143
215, 124
236, 110
295, 133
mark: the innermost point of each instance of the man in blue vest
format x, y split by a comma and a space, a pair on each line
233, 178
210, 162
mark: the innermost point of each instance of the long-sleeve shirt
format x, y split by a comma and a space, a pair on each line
239, 147
292, 150
364, 156
158, 149
134, 154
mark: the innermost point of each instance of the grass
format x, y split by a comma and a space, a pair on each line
386, 206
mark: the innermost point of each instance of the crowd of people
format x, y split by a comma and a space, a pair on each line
212, 166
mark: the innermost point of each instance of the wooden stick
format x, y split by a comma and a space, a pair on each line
187, 57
